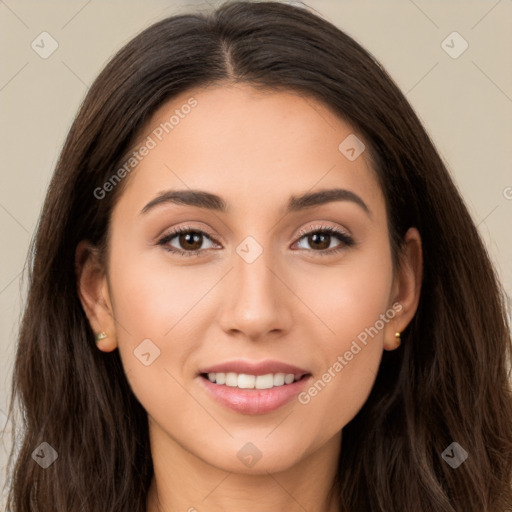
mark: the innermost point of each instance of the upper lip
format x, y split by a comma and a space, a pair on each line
254, 368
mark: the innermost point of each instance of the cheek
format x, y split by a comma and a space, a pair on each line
334, 397
351, 296
152, 308
151, 297
351, 303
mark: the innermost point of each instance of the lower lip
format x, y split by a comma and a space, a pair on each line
254, 401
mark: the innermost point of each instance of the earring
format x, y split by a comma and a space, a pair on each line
101, 336
397, 337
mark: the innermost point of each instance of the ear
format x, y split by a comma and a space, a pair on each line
94, 294
406, 287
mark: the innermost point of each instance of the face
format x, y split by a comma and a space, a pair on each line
258, 274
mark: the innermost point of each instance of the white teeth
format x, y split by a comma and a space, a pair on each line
278, 379
231, 379
265, 381
288, 378
245, 381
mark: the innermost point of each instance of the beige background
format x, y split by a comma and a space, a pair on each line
465, 104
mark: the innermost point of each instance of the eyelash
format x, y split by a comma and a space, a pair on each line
346, 240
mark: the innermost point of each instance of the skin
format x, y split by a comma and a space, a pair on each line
254, 149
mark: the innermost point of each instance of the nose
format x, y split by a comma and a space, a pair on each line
258, 300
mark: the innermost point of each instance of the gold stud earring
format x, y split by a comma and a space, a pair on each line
101, 336
397, 337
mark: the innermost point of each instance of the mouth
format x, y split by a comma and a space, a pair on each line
248, 381
253, 394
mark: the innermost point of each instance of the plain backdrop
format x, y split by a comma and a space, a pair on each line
462, 95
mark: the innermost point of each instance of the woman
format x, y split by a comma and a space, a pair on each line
254, 286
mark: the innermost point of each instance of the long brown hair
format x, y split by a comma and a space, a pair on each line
448, 382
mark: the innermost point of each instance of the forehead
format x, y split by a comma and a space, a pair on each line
254, 148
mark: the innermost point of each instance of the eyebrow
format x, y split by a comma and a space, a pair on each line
202, 199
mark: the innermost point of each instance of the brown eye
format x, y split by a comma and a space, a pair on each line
321, 240
191, 240
186, 242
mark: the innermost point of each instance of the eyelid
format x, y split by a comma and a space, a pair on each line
301, 233
322, 227
185, 229
344, 237
346, 240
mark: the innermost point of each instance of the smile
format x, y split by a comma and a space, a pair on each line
274, 391
246, 381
